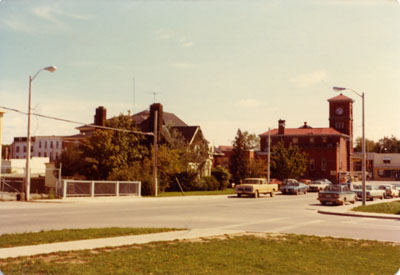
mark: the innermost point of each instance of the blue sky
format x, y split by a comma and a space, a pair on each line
222, 65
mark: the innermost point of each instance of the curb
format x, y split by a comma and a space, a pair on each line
374, 216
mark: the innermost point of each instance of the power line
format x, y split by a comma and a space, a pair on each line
80, 123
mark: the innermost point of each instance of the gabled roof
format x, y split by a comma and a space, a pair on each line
170, 119
306, 132
340, 97
188, 132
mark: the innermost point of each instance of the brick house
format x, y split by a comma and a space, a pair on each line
330, 150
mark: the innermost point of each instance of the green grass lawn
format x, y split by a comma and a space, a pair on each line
11, 240
267, 254
197, 193
385, 208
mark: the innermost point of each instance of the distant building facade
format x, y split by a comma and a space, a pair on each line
329, 150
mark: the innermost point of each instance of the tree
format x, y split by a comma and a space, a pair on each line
239, 158
370, 145
388, 145
288, 162
252, 140
256, 168
70, 158
222, 176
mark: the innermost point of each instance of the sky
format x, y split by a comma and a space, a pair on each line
222, 65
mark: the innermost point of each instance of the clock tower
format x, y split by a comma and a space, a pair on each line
341, 114
341, 119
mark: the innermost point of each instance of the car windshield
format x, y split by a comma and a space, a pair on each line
251, 181
316, 182
333, 188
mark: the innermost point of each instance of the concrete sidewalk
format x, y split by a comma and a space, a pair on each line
31, 250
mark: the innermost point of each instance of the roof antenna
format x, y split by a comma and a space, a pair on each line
154, 95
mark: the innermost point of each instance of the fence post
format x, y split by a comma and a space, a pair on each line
117, 189
65, 189
139, 189
92, 189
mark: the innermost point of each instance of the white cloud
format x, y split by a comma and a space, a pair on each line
186, 43
249, 103
309, 79
182, 65
17, 25
162, 34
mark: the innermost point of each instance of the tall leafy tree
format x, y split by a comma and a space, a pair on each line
288, 162
239, 158
388, 145
370, 145
107, 151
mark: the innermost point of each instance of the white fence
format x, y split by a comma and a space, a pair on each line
87, 188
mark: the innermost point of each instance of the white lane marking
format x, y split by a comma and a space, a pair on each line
297, 225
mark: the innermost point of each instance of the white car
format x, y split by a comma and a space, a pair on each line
371, 192
390, 190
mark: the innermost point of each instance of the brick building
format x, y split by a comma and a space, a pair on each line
330, 150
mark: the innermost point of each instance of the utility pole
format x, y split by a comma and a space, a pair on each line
155, 148
269, 155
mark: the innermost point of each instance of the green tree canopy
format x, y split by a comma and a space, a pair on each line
288, 162
239, 158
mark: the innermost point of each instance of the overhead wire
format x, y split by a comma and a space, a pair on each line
80, 123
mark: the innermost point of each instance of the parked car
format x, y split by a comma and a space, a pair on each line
397, 185
287, 181
371, 192
390, 190
324, 181
316, 186
256, 186
305, 181
294, 188
337, 194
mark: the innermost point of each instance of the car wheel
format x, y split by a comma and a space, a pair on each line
297, 192
323, 202
344, 201
305, 192
381, 197
272, 193
256, 194
239, 195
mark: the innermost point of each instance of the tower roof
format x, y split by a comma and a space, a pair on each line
340, 97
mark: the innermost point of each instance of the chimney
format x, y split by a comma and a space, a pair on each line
159, 108
281, 130
100, 117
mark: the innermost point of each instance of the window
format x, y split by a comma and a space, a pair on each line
312, 164
312, 140
45, 154
56, 144
40, 144
17, 149
45, 144
324, 139
40, 154
386, 161
295, 140
24, 149
51, 144
323, 164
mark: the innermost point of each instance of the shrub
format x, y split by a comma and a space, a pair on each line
222, 176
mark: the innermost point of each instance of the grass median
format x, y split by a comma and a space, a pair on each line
383, 208
246, 254
52, 236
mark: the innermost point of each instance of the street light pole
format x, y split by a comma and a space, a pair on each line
363, 158
28, 136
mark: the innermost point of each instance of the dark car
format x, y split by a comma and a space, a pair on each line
294, 187
337, 194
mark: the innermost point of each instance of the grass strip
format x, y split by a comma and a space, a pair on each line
52, 236
384, 208
267, 254
228, 191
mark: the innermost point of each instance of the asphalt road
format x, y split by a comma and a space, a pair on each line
283, 214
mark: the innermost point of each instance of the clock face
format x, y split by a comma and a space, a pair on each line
339, 111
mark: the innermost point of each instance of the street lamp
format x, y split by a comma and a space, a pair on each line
339, 89
28, 137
